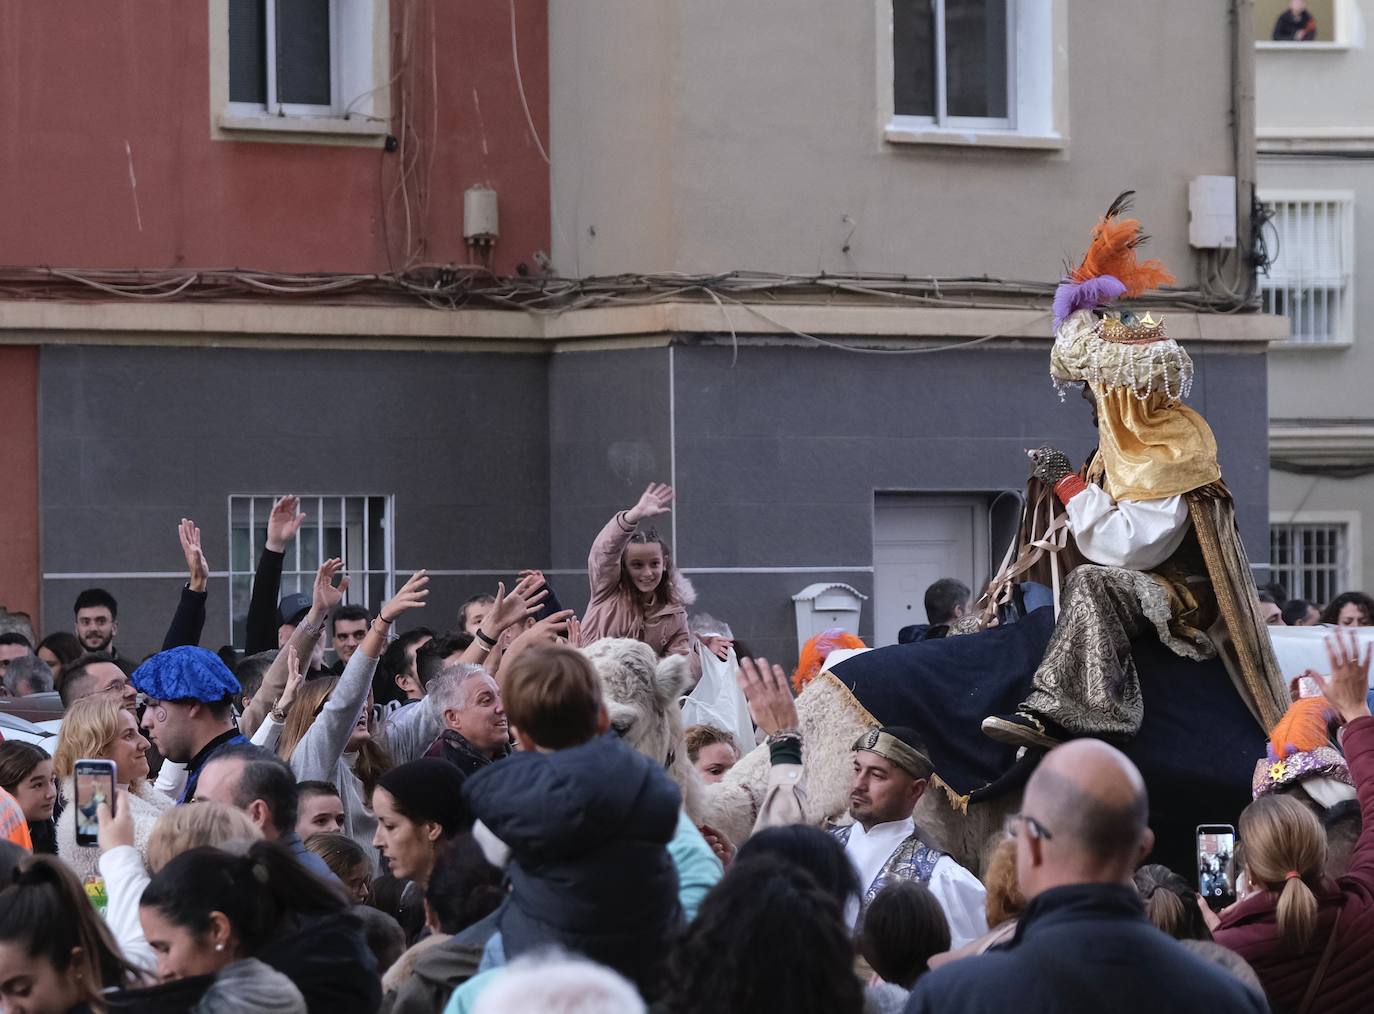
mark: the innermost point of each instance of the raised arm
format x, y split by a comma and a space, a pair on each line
506, 610
773, 710
603, 562
282, 525
324, 597
188, 622
1347, 690
319, 750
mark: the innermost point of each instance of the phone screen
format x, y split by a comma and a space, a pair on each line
95, 784
1216, 863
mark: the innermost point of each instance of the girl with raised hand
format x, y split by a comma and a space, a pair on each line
328, 734
636, 592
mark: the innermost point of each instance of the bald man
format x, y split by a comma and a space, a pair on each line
1083, 942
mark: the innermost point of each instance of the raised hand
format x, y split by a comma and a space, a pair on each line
768, 695
549, 630
1348, 687
657, 499
116, 828
523, 601
196, 565
294, 678
326, 594
411, 596
284, 522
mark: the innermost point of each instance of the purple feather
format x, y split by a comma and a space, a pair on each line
1089, 295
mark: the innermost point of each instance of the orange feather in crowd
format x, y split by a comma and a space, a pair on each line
1303, 727
815, 651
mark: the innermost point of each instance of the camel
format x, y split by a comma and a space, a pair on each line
642, 694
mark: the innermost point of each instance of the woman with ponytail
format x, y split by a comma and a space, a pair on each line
208, 909
56, 956
1310, 938
1170, 903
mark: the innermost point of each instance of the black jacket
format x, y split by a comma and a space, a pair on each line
588, 828
328, 959
1087, 947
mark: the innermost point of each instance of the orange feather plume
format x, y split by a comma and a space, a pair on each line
815, 651
1112, 252
1303, 727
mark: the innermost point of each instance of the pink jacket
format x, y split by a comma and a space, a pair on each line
613, 612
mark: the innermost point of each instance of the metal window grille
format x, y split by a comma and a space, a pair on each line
952, 61
1312, 561
357, 529
1309, 280
284, 54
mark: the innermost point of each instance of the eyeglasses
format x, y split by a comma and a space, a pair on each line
115, 686
1033, 827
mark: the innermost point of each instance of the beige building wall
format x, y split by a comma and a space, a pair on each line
715, 135
1315, 131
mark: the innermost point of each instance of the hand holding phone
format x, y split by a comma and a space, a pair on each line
95, 784
1216, 864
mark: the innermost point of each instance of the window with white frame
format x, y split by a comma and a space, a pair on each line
300, 64
951, 61
1310, 559
1310, 278
960, 66
357, 529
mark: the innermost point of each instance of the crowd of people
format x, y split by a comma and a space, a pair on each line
361, 813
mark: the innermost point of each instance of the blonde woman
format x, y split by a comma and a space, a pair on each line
178, 830
1308, 937
98, 727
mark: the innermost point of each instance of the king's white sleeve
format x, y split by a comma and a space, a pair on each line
1135, 534
964, 900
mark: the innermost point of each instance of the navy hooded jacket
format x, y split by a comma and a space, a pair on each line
588, 829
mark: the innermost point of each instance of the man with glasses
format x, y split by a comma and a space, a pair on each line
97, 673
1083, 942
891, 772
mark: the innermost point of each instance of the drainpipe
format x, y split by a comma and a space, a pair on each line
1243, 133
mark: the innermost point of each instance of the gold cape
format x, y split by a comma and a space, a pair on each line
1151, 449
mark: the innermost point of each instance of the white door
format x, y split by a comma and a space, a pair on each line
916, 541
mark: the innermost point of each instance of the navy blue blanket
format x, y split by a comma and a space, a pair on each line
1197, 747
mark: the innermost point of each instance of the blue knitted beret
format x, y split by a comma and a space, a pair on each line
186, 674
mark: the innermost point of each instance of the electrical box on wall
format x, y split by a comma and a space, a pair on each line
1212, 212
481, 223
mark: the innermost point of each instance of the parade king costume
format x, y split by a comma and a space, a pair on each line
1149, 517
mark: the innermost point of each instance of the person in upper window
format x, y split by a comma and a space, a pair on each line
1295, 24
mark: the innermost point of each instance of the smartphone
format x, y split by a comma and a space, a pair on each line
1216, 864
95, 784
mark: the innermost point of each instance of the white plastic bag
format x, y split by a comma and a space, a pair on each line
717, 699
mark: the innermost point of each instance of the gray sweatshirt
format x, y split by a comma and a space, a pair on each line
320, 753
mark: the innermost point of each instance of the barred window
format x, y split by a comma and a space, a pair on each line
1310, 278
1311, 560
356, 528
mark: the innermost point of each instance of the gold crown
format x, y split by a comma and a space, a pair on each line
1128, 329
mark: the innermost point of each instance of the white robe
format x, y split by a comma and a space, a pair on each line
959, 892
